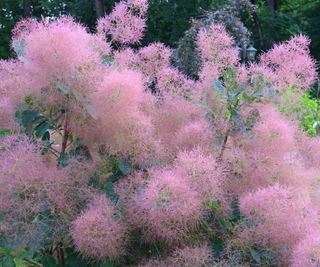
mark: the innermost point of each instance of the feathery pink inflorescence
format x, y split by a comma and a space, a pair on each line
14, 87
98, 232
280, 216
122, 124
274, 135
291, 63
172, 81
217, 48
180, 125
126, 59
64, 53
269, 157
167, 209
30, 186
200, 256
126, 23
202, 173
152, 59
307, 251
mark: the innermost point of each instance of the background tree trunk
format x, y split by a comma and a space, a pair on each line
99, 8
271, 6
27, 8
257, 24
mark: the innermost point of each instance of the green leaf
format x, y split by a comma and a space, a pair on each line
107, 60
74, 261
217, 85
109, 190
49, 261
8, 261
27, 254
255, 255
107, 263
20, 263
46, 136
124, 167
236, 214
42, 128
64, 89
212, 205
4, 132
217, 247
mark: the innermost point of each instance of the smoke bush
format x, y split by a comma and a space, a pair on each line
38, 201
216, 47
123, 126
177, 169
291, 63
278, 216
180, 126
199, 169
126, 23
199, 255
306, 253
167, 209
98, 232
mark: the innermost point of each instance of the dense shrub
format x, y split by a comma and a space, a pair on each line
110, 155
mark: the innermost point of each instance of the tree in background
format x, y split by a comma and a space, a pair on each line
271, 21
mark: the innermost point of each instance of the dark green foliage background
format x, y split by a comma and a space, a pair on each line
168, 19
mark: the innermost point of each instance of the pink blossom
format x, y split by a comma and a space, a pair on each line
217, 48
31, 187
199, 169
122, 124
14, 87
126, 59
64, 53
196, 255
279, 215
167, 209
124, 24
172, 81
176, 121
307, 251
268, 157
98, 233
291, 63
152, 59
199, 256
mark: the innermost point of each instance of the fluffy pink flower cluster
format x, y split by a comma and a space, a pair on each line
201, 169
12, 90
217, 50
153, 61
126, 23
180, 125
307, 252
98, 232
280, 217
63, 52
167, 209
172, 203
123, 126
269, 157
29, 186
192, 256
291, 63
173, 82
167, 140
